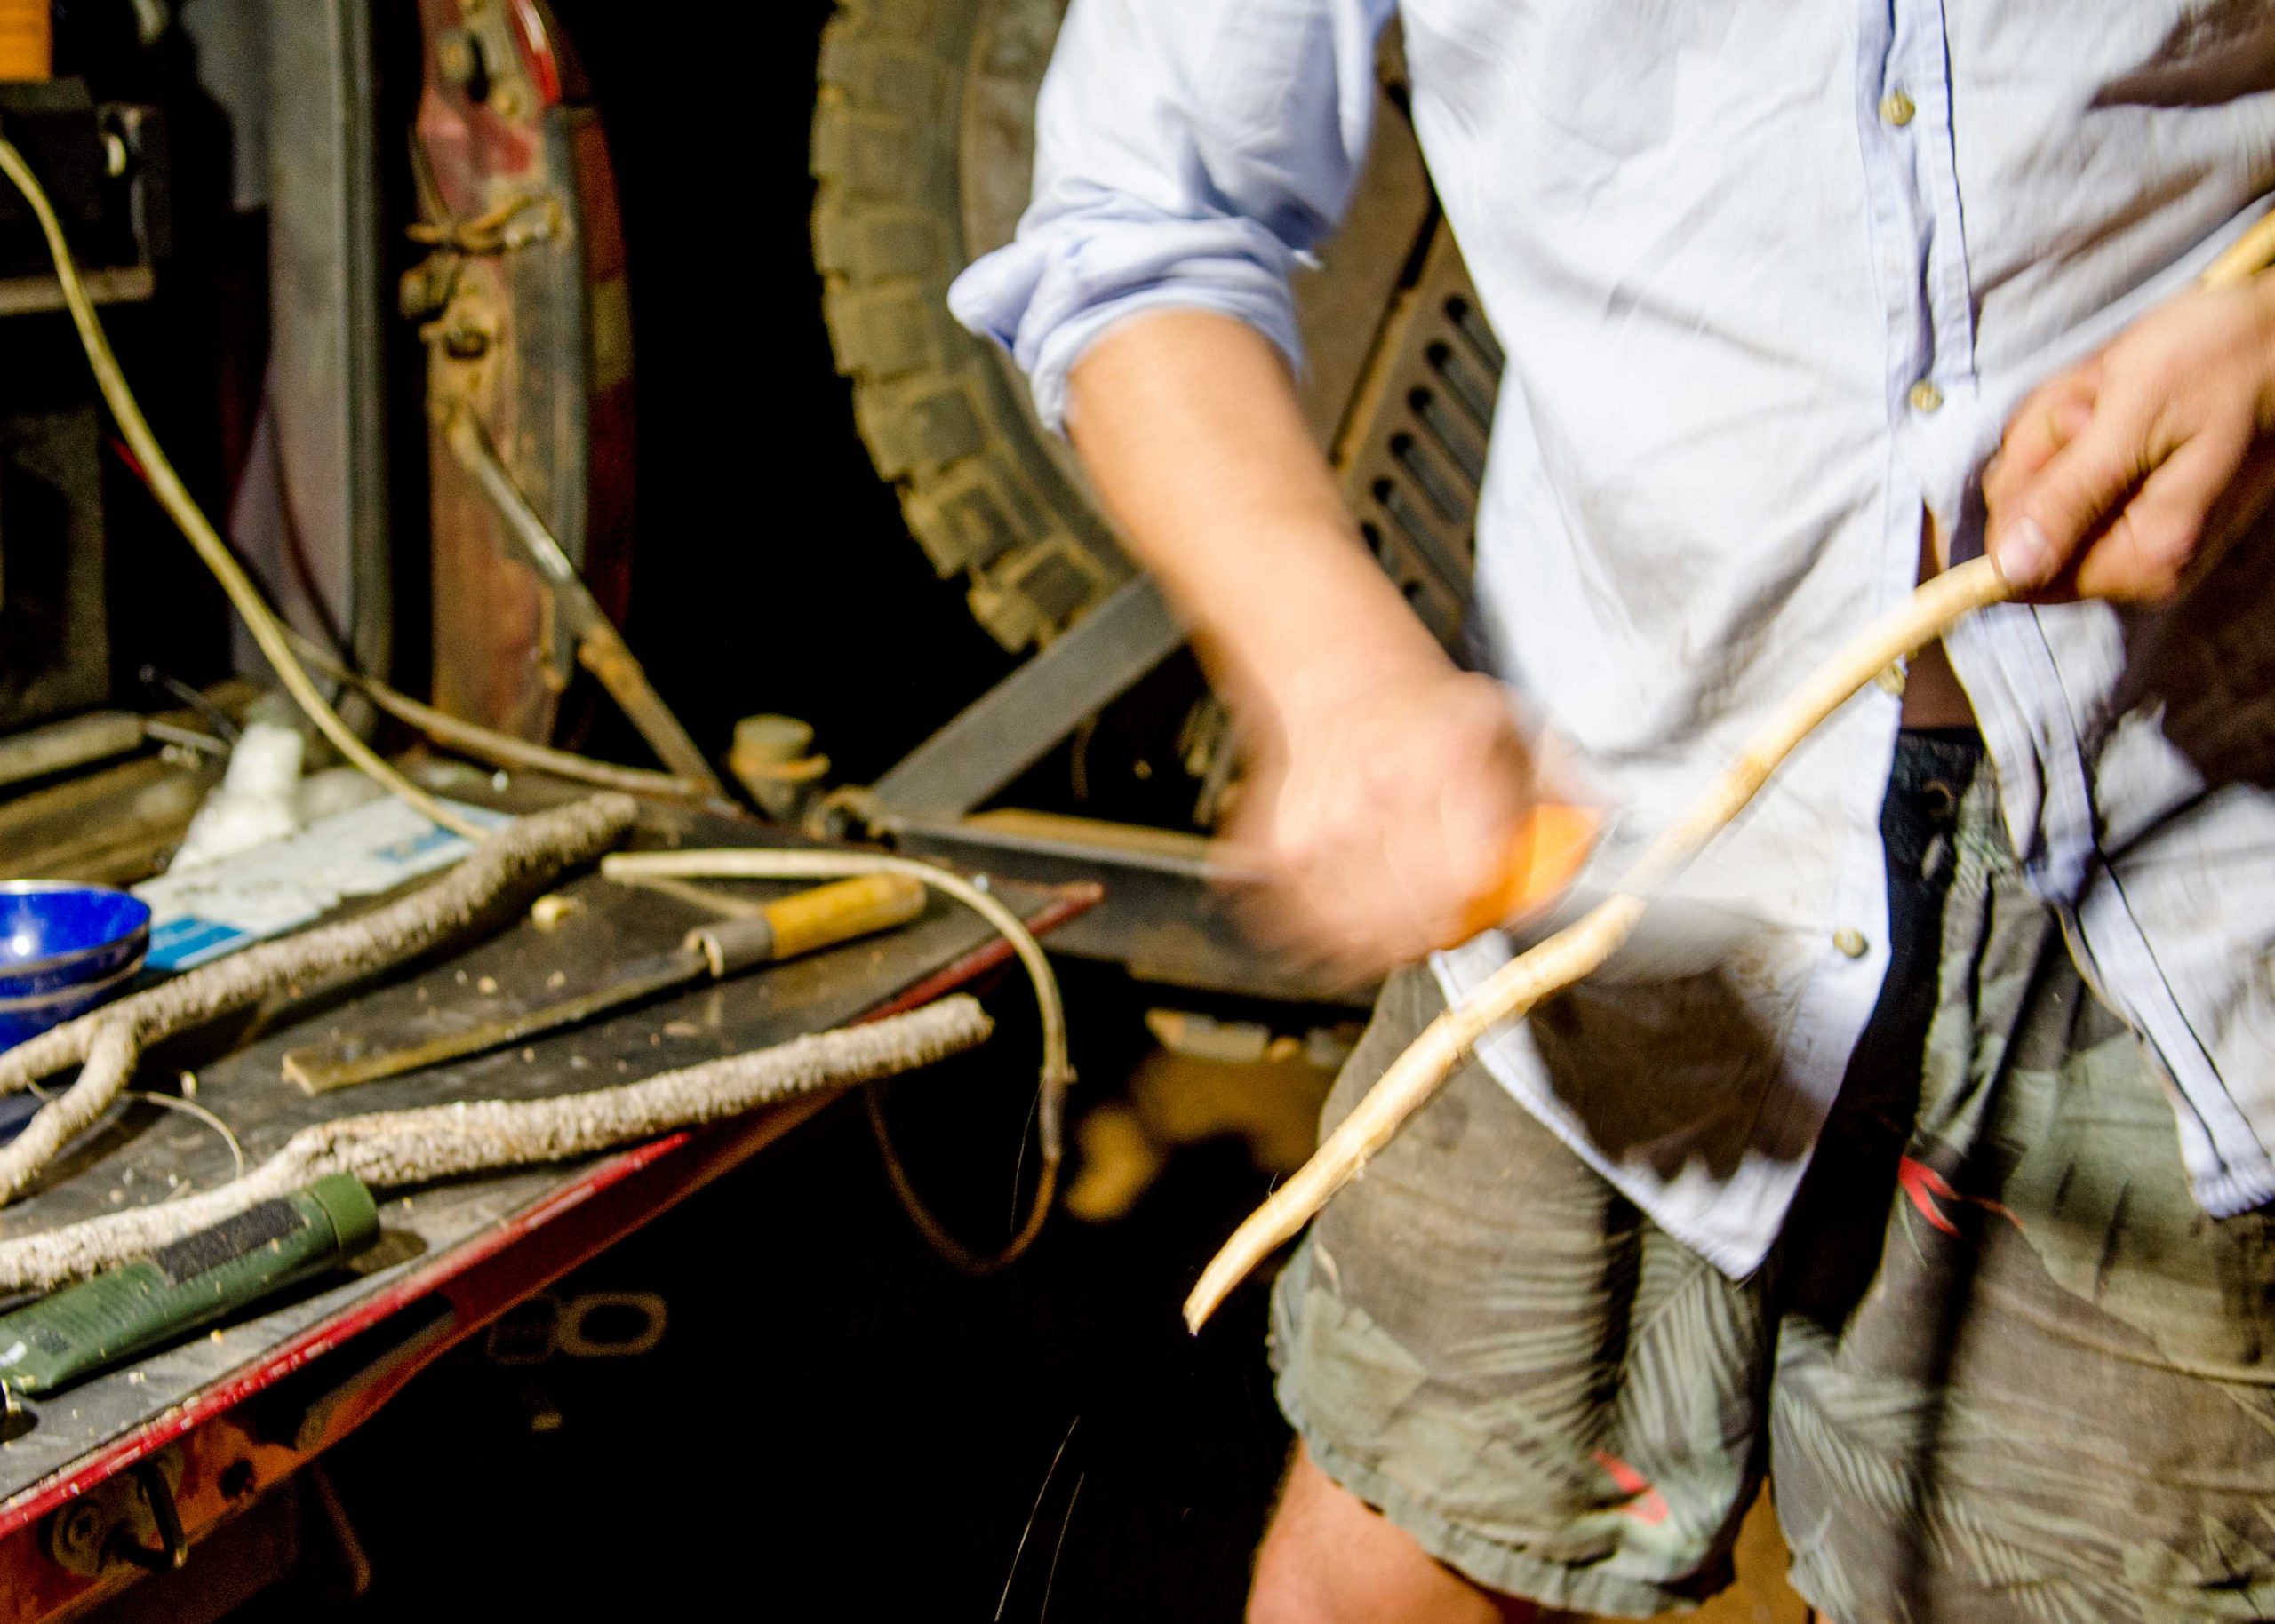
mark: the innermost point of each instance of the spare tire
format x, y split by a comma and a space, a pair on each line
923, 148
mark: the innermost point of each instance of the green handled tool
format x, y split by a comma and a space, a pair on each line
802, 923
123, 1311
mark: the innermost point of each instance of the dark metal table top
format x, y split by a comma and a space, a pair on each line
149, 1153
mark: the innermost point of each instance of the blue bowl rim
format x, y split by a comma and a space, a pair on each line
37, 1006
59, 961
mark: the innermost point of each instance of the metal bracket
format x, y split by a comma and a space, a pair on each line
129, 1521
1014, 724
600, 645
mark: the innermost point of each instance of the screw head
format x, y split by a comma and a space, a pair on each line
458, 56
82, 1526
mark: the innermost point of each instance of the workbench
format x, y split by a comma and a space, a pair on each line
127, 1470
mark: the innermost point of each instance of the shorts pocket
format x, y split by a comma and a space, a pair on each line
1350, 1378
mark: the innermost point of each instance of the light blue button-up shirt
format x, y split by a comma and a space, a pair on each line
1724, 243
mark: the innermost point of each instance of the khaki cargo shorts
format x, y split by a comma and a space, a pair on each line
2001, 1367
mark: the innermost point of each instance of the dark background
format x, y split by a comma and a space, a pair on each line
772, 570
836, 1425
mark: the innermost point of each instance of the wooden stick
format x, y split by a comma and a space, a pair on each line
2245, 258
391, 1149
1416, 1076
1577, 951
106, 1042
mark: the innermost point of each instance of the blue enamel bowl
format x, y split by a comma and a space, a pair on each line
64, 948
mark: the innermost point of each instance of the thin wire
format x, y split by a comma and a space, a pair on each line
1019, 1162
1035, 1511
1050, 1578
193, 1109
1057, 1070
937, 1235
499, 749
183, 508
171, 1102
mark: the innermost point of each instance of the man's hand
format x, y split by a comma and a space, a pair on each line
2119, 475
1383, 811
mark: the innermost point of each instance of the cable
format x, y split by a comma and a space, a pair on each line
469, 738
499, 749
191, 1108
174, 496
275, 643
188, 1107
1057, 1072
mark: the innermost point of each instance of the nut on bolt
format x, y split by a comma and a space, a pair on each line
458, 54
78, 1528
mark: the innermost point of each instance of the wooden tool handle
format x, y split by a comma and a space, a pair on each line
810, 920
1549, 849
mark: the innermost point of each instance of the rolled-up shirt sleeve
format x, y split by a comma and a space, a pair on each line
1188, 153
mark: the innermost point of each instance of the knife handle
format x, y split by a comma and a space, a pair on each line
1547, 853
809, 921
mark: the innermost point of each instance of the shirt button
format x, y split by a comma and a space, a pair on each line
1925, 396
1850, 941
1896, 108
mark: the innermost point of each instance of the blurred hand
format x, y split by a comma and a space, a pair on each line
1383, 809
2119, 477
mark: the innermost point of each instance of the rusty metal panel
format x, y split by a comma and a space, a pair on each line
523, 304
325, 390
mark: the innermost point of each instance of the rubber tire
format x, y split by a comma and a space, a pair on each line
937, 408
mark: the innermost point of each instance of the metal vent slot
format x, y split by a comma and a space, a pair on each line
1454, 497
1412, 452
1470, 322
1466, 381
1445, 559
1450, 433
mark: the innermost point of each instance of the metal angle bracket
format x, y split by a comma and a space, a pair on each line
1014, 724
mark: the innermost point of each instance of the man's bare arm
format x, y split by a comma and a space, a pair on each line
1387, 783
1189, 426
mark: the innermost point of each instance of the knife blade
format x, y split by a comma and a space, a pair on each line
803, 923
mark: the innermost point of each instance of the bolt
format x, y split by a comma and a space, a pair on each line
458, 56
82, 1526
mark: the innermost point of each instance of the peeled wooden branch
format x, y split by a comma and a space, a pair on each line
1416, 1076
390, 1149
106, 1042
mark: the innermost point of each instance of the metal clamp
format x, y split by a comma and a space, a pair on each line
112, 1526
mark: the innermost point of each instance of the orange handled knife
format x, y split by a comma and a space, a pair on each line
1551, 849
